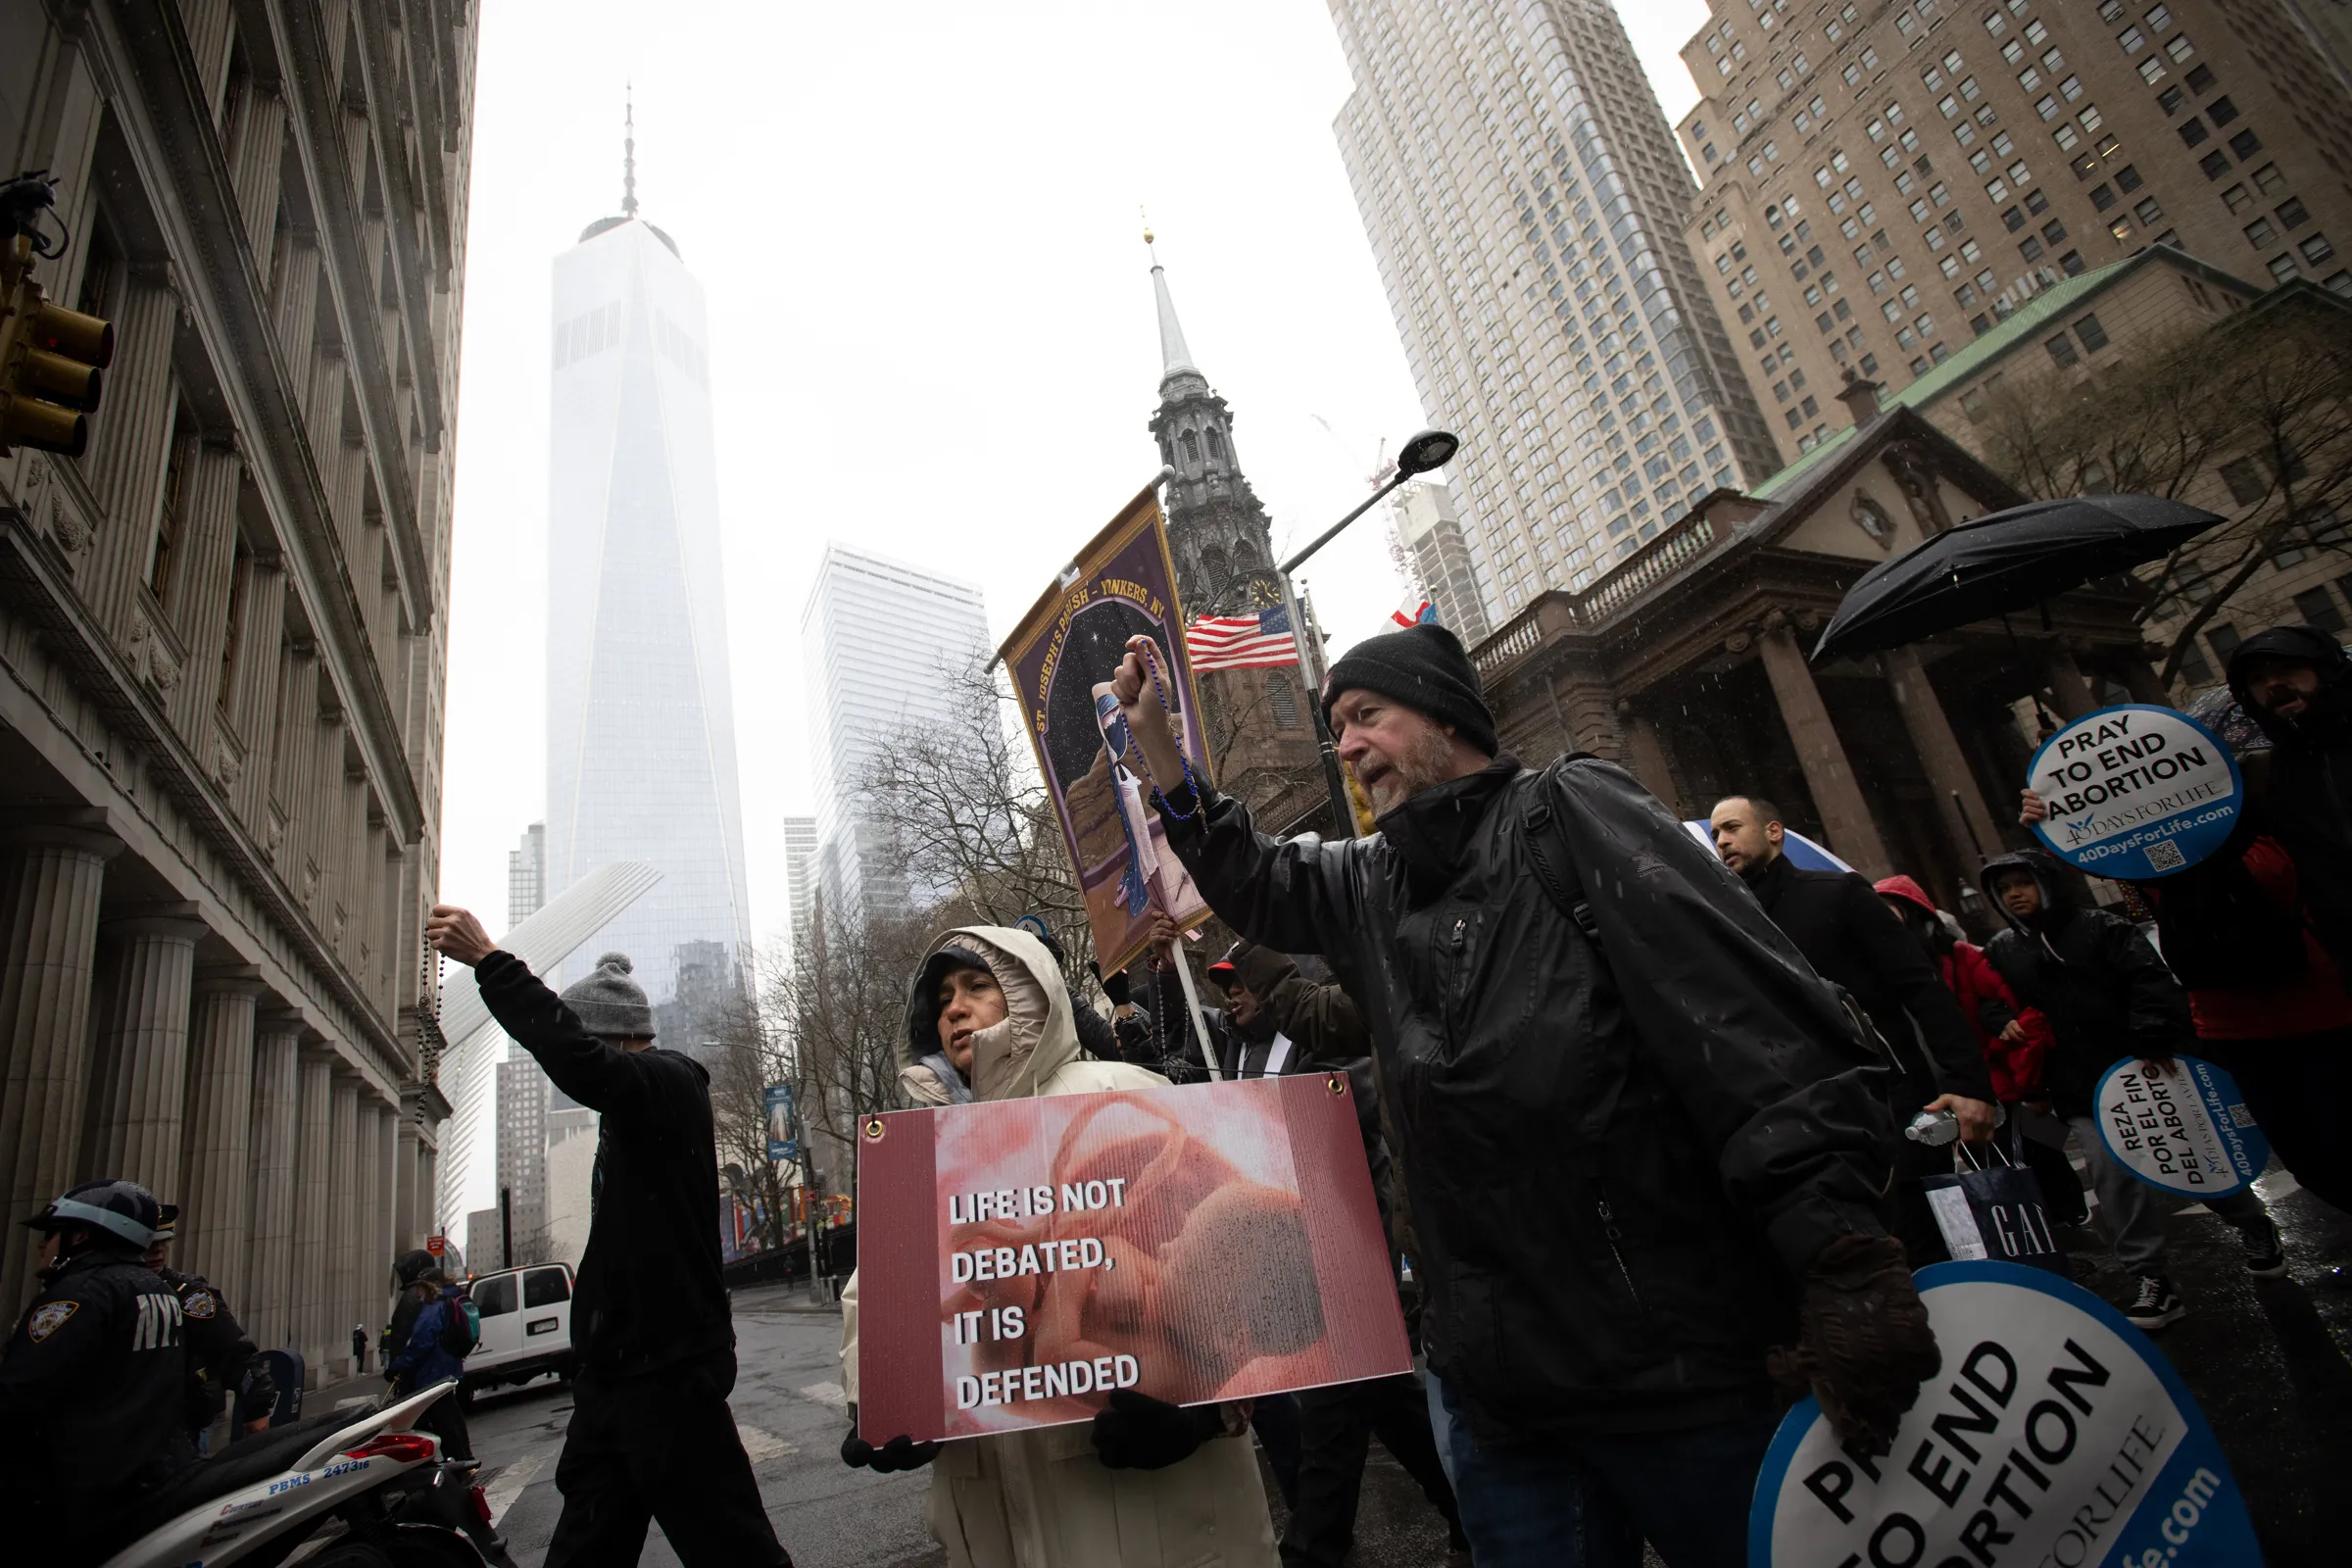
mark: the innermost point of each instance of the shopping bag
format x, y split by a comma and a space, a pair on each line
1992, 1212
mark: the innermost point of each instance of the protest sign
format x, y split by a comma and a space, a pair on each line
1060, 657
2135, 792
1019, 1260
2188, 1131
2055, 1434
781, 1144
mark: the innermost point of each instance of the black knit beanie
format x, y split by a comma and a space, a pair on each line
1423, 667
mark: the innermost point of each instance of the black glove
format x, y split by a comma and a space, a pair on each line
1114, 985
1864, 1346
899, 1453
1135, 1432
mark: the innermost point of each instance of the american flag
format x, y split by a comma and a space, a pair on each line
1241, 642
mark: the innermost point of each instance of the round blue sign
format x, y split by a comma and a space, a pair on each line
2187, 1131
2135, 792
2056, 1433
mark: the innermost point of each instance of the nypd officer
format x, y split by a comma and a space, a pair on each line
94, 1382
223, 1365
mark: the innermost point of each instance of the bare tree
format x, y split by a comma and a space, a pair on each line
2252, 418
748, 1054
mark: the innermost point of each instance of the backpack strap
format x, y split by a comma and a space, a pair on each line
1555, 868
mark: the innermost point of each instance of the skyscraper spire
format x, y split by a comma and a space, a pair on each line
1175, 359
628, 152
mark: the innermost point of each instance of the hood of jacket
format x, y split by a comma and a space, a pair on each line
1037, 1037
2057, 897
2327, 715
1902, 887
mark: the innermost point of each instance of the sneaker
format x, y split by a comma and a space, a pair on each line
2266, 1255
2155, 1305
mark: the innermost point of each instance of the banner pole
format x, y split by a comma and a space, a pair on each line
1191, 999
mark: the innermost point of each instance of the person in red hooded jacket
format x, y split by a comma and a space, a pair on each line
2013, 1037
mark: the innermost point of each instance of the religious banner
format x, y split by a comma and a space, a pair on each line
1061, 657
1019, 1260
2135, 792
2055, 1433
2187, 1131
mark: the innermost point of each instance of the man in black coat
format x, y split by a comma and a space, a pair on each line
1852, 940
2295, 683
651, 1436
1633, 1119
225, 1368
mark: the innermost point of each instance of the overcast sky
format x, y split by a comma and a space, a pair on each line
931, 324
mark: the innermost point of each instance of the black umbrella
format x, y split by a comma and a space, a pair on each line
2006, 561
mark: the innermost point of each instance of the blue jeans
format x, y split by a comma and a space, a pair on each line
1589, 1502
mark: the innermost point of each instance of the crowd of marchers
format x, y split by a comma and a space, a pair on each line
1648, 1127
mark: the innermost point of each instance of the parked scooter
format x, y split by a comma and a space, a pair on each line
359, 1488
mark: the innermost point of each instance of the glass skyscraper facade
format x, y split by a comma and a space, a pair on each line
883, 645
640, 711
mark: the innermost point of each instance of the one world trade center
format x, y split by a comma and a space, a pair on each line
640, 714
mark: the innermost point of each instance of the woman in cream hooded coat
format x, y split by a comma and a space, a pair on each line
1042, 1499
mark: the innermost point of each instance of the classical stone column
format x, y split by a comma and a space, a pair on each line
216, 1186
2074, 692
1845, 815
342, 1221
51, 873
368, 1192
1649, 759
376, 1274
409, 1218
1967, 823
271, 1310
129, 436
314, 1139
138, 1078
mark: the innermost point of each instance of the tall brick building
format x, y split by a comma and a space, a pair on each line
1884, 182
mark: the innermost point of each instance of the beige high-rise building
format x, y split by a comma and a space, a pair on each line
1525, 202
1883, 184
222, 638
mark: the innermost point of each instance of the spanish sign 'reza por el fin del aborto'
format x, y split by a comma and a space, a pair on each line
2135, 792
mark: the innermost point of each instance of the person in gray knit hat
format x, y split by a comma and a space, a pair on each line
651, 1434
609, 1003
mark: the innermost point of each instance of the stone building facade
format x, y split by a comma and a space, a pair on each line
1883, 180
1690, 665
222, 633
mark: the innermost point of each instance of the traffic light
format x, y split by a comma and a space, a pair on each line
52, 361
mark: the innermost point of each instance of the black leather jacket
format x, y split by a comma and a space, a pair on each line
1617, 1169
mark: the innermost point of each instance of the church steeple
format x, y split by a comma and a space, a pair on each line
1217, 529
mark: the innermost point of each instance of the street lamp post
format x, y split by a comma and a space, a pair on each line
1424, 452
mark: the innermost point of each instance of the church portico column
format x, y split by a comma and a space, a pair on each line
2068, 685
1845, 815
216, 1190
408, 1220
269, 1310
138, 1079
1648, 754
1967, 821
51, 876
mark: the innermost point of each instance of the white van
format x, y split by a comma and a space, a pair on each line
526, 1326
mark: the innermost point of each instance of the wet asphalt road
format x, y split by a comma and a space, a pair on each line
2268, 1361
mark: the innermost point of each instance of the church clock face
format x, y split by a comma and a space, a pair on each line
1264, 592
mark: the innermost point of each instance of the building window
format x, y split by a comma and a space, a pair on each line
2245, 481
2320, 610
2237, 198
2224, 640
2147, 212
2245, 144
2194, 131
2214, 165
2317, 249
2062, 350
2102, 197
2282, 267
2092, 334
2267, 179
2071, 264
2221, 112
2293, 214
2171, 99
2261, 235
2031, 249
1282, 700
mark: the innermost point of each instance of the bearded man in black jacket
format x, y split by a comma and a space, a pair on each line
1850, 936
651, 1436
1633, 1118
